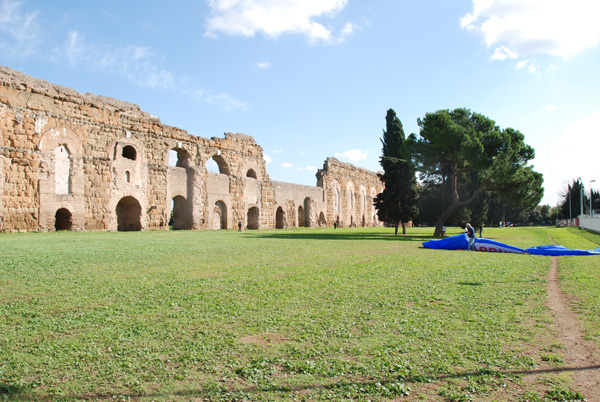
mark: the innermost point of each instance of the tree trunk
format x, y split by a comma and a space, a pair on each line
396, 233
404, 228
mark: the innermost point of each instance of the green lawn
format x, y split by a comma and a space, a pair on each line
350, 314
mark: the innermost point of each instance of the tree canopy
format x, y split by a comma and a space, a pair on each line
470, 155
398, 201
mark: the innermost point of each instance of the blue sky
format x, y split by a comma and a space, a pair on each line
309, 79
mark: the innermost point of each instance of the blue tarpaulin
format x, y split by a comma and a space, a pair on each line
460, 242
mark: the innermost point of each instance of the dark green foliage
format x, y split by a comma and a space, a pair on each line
464, 155
398, 201
570, 208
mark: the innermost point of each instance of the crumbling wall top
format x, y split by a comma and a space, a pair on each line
25, 83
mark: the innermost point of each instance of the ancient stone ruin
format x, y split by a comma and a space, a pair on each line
72, 161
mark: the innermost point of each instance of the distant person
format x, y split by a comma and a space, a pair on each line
471, 236
443, 231
481, 231
334, 225
239, 226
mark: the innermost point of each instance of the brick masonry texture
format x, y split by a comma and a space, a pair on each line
72, 161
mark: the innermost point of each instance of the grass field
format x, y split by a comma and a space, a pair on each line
307, 315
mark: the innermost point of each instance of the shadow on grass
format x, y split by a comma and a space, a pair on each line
343, 385
341, 234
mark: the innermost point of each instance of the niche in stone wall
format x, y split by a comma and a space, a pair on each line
129, 152
253, 218
62, 170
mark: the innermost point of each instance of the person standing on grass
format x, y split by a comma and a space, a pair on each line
239, 226
471, 235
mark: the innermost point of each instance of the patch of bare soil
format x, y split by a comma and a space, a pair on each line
581, 355
264, 339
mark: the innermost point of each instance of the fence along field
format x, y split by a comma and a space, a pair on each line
350, 314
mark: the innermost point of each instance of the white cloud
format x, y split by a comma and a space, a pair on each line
574, 154
501, 53
531, 27
225, 101
277, 151
286, 165
267, 158
274, 18
550, 108
308, 168
353, 155
20, 32
263, 65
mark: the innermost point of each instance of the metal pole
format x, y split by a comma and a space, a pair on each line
591, 196
581, 206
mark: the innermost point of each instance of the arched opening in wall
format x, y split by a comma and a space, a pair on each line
307, 211
220, 215
129, 152
300, 216
127, 176
337, 221
364, 221
62, 170
322, 222
179, 158
253, 216
351, 221
178, 220
251, 173
129, 214
63, 219
279, 219
217, 164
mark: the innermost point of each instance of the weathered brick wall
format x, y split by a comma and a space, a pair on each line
119, 174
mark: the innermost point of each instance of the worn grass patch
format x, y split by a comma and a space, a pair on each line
277, 315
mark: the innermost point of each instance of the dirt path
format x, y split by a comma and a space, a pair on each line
580, 354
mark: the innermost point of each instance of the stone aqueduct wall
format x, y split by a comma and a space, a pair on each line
85, 162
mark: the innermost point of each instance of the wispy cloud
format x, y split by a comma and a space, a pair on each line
308, 168
535, 27
263, 65
267, 158
550, 108
274, 18
20, 32
21, 36
352, 155
286, 165
277, 151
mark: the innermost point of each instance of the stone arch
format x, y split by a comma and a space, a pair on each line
301, 216
129, 152
62, 170
322, 221
221, 163
179, 217
63, 219
251, 173
179, 157
308, 212
280, 219
350, 202
220, 215
362, 201
253, 218
129, 214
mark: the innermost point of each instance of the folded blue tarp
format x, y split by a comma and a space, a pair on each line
460, 242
